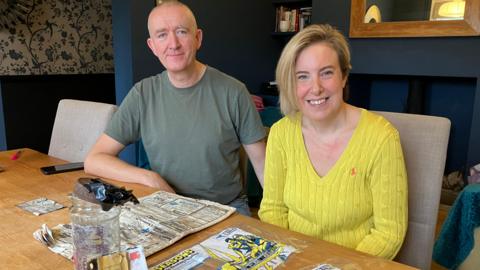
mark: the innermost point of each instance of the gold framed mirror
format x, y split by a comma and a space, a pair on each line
469, 26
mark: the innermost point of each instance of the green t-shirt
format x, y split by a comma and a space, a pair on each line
191, 135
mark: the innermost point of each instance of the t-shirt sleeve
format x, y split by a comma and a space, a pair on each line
248, 125
124, 126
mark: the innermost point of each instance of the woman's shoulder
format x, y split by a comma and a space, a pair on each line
285, 132
227, 82
286, 122
377, 124
285, 128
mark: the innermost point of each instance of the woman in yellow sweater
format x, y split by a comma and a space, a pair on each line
332, 171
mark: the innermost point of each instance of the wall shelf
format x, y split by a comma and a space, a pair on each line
297, 13
283, 33
279, 2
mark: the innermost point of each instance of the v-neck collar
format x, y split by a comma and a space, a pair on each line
345, 152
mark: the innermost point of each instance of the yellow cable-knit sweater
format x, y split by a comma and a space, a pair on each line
360, 203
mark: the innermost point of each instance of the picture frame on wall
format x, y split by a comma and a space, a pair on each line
446, 10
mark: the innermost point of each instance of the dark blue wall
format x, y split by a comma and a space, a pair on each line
3, 141
458, 107
122, 47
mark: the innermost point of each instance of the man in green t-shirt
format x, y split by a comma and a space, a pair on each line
192, 120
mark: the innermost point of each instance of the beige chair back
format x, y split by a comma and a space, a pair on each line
77, 126
424, 142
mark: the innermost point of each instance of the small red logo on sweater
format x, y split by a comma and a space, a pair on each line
353, 172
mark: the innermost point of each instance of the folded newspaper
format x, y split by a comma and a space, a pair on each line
158, 221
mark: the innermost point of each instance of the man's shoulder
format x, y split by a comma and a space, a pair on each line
151, 80
223, 79
149, 84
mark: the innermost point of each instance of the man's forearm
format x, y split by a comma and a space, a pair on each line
258, 167
256, 154
108, 166
105, 165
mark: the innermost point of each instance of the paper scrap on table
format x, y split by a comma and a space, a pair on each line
44, 235
187, 259
326, 266
242, 250
40, 206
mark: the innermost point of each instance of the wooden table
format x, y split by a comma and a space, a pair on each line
22, 181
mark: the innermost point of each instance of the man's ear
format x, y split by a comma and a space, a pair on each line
199, 38
151, 45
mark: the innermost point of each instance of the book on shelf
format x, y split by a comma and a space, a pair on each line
278, 17
297, 18
293, 21
305, 19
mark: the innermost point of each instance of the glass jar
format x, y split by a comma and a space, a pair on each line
95, 232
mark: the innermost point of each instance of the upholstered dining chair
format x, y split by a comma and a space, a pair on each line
77, 126
424, 142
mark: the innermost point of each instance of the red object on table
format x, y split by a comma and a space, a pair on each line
16, 155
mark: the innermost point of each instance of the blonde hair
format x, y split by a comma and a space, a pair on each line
285, 72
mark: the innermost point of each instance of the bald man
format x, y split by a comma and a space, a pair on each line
192, 120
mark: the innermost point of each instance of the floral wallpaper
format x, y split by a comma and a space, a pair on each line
59, 37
